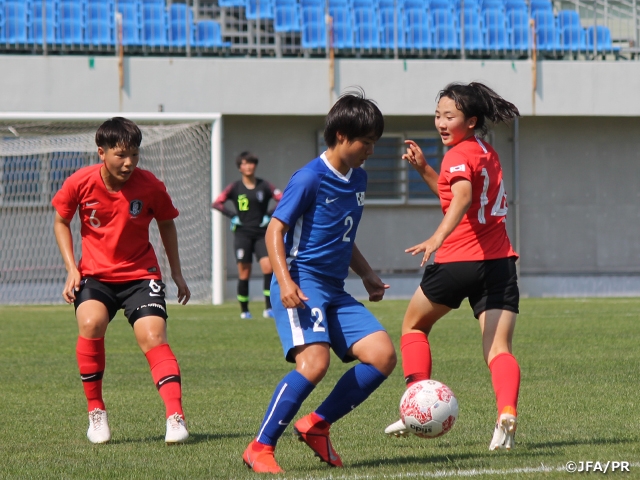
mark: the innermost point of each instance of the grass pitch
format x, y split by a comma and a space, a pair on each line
578, 399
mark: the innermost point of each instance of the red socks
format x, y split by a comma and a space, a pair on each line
91, 361
416, 357
166, 375
505, 376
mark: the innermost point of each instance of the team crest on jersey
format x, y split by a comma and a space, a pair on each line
260, 196
360, 197
135, 207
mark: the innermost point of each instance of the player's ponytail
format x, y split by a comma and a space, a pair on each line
478, 100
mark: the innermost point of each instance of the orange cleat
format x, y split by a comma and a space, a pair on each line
314, 431
260, 458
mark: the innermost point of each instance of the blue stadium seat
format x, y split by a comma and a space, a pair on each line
544, 5
496, 38
181, 17
131, 23
99, 27
287, 18
421, 5
518, 25
511, 5
389, 30
51, 21
547, 38
312, 3
2, 25
365, 4
209, 34
367, 28
16, 21
568, 18
339, 3
492, 5
468, 4
71, 23
473, 30
154, 25
261, 8
342, 27
573, 39
444, 17
419, 31
388, 4
157, 2
231, 3
314, 30
441, 4
602, 40
446, 38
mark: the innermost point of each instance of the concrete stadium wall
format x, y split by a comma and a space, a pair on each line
579, 188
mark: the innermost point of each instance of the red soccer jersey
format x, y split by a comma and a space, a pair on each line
482, 233
115, 226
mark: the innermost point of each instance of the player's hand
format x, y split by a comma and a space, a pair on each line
235, 223
71, 286
374, 286
414, 155
184, 294
265, 221
428, 247
291, 295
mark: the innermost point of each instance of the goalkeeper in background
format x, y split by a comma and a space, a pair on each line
249, 220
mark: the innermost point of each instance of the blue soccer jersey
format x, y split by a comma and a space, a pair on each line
322, 208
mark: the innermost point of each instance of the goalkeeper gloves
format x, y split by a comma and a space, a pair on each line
265, 221
235, 222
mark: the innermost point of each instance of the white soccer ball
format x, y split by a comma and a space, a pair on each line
428, 408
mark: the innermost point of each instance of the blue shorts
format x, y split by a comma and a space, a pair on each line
330, 315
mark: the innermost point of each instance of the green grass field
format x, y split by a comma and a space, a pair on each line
578, 400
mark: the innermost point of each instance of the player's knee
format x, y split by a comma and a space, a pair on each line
386, 361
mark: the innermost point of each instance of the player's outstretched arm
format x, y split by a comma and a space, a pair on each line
459, 205
290, 293
372, 283
169, 236
62, 231
416, 158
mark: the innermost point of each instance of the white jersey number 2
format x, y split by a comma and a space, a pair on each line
499, 208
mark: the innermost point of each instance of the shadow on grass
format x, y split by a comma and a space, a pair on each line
194, 438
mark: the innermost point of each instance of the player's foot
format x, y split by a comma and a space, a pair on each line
316, 434
176, 430
505, 431
246, 316
268, 313
260, 458
397, 429
99, 431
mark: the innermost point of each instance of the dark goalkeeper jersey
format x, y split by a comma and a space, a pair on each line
251, 205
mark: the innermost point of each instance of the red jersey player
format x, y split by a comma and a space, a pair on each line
474, 257
116, 202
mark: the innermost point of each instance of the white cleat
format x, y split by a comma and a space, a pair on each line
176, 430
99, 431
397, 429
504, 433
268, 313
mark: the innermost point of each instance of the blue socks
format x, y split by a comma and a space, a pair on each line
285, 403
351, 390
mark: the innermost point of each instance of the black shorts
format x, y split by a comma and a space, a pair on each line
247, 244
489, 284
140, 298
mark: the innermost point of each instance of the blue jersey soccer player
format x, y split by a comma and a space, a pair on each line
310, 241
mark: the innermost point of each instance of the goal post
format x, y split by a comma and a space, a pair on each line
38, 151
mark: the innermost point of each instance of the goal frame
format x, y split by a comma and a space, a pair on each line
216, 163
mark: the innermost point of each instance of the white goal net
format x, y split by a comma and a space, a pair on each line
38, 153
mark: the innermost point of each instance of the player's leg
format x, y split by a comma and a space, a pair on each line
496, 308
95, 306
243, 246
308, 347
267, 273
355, 334
145, 309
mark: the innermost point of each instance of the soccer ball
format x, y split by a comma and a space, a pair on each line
428, 408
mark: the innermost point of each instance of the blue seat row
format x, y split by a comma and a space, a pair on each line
93, 23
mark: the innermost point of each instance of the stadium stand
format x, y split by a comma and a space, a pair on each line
409, 28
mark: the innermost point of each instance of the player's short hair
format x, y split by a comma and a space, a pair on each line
353, 115
118, 132
247, 157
